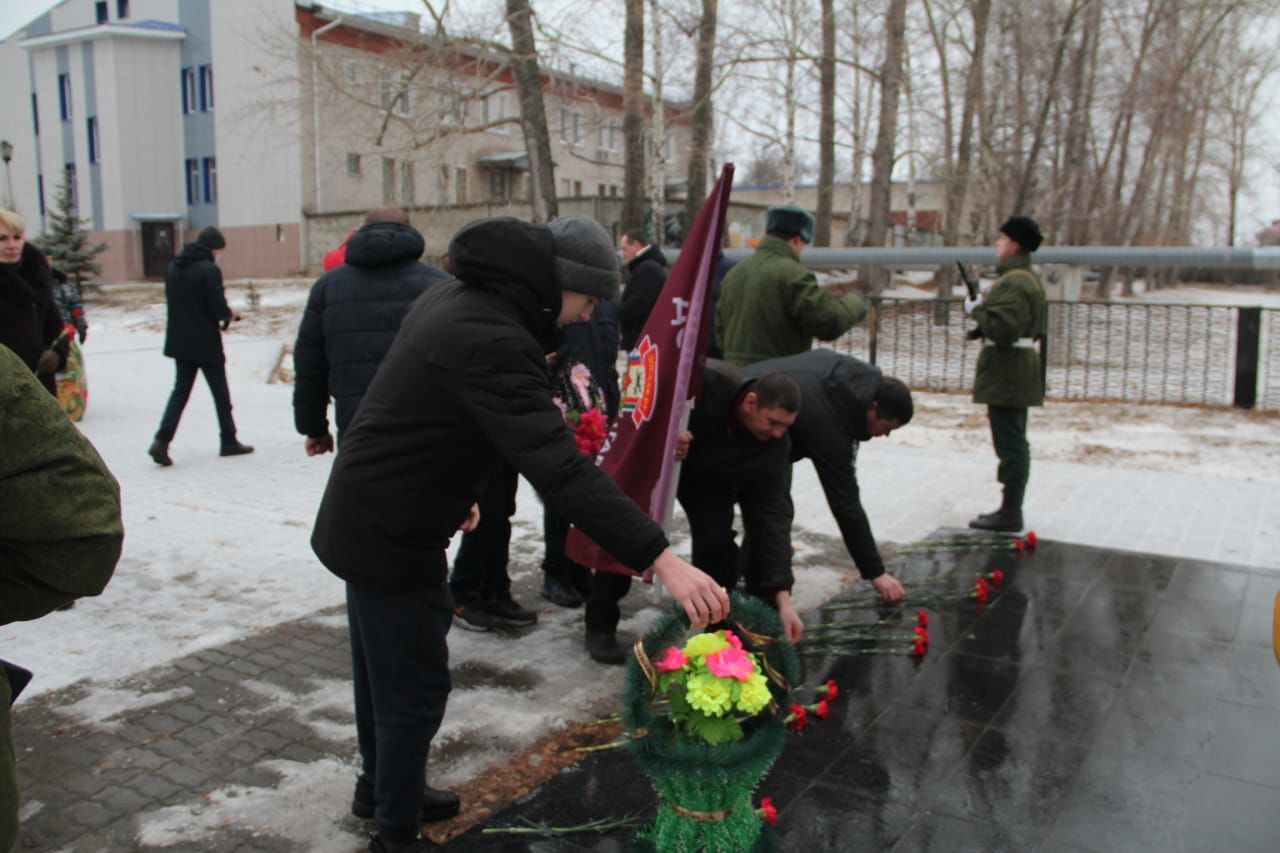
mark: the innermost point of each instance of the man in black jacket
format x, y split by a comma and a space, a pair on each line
463, 387
846, 401
197, 305
352, 316
647, 274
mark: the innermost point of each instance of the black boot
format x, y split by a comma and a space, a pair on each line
436, 804
557, 586
235, 448
1007, 519
159, 452
604, 648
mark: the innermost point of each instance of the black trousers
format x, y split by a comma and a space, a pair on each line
1009, 435
400, 671
215, 374
480, 569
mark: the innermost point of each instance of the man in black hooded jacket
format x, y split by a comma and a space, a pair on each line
647, 268
846, 401
464, 386
352, 316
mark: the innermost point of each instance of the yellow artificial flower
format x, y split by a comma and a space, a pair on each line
754, 694
701, 645
708, 694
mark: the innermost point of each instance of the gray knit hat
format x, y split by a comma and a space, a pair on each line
585, 258
211, 238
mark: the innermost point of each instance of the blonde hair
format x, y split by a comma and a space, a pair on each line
12, 223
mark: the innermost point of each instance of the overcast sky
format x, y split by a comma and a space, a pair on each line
1260, 202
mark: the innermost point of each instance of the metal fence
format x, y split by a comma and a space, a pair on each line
1095, 350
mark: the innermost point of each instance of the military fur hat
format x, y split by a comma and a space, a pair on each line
789, 219
585, 259
1024, 231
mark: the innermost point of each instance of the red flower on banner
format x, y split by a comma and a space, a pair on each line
830, 690
1031, 539
919, 648
768, 811
922, 618
798, 719
822, 709
997, 577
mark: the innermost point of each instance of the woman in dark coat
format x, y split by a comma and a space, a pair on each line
29, 321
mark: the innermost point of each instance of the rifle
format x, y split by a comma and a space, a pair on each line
972, 286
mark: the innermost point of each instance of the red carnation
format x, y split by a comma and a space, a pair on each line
922, 633
798, 719
822, 709
829, 690
1031, 539
997, 577
922, 618
981, 591
768, 811
1019, 545
919, 648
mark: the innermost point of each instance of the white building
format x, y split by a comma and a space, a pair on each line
165, 116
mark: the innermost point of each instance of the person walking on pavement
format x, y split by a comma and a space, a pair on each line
771, 306
197, 306
1012, 317
465, 384
60, 532
646, 274
846, 401
353, 313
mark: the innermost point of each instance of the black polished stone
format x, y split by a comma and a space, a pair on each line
1101, 701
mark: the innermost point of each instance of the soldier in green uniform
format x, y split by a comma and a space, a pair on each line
1012, 318
771, 305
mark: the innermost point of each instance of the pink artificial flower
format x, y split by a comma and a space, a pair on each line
731, 663
732, 639
672, 661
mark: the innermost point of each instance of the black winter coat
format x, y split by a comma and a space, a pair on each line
835, 392
464, 386
647, 274
595, 344
758, 471
197, 305
352, 316
29, 318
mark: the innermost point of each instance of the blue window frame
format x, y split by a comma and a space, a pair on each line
64, 96
209, 171
188, 91
206, 88
193, 181
95, 146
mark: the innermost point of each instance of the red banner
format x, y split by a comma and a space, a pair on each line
663, 373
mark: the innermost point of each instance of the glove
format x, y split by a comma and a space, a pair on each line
970, 304
974, 334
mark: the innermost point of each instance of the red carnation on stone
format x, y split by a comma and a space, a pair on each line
922, 633
1031, 539
768, 811
997, 577
830, 690
1019, 545
981, 590
922, 618
919, 648
798, 719
822, 709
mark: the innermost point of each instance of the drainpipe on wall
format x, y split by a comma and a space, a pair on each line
315, 128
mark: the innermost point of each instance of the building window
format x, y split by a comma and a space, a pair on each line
353, 165
395, 92
122, 9
406, 183
351, 71
64, 96
100, 11
571, 126
498, 183
69, 171
607, 135
188, 91
600, 190
209, 170
442, 185
95, 146
206, 88
35, 113
193, 182
388, 180
613, 190
577, 188
495, 111
460, 185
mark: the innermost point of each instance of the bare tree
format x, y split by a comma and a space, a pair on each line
703, 114
826, 126
882, 157
533, 114
633, 117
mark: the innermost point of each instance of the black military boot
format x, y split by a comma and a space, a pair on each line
159, 453
603, 648
1007, 519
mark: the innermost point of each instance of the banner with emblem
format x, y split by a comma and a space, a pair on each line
664, 371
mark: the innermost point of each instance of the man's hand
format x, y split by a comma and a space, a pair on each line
47, 363
792, 624
890, 588
318, 444
970, 304
704, 600
473, 519
683, 440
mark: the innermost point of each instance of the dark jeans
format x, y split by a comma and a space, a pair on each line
480, 569
708, 504
400, 670
555, 529
607, 590
1009, 435
216, 376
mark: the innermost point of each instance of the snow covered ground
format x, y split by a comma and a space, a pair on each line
217, 549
